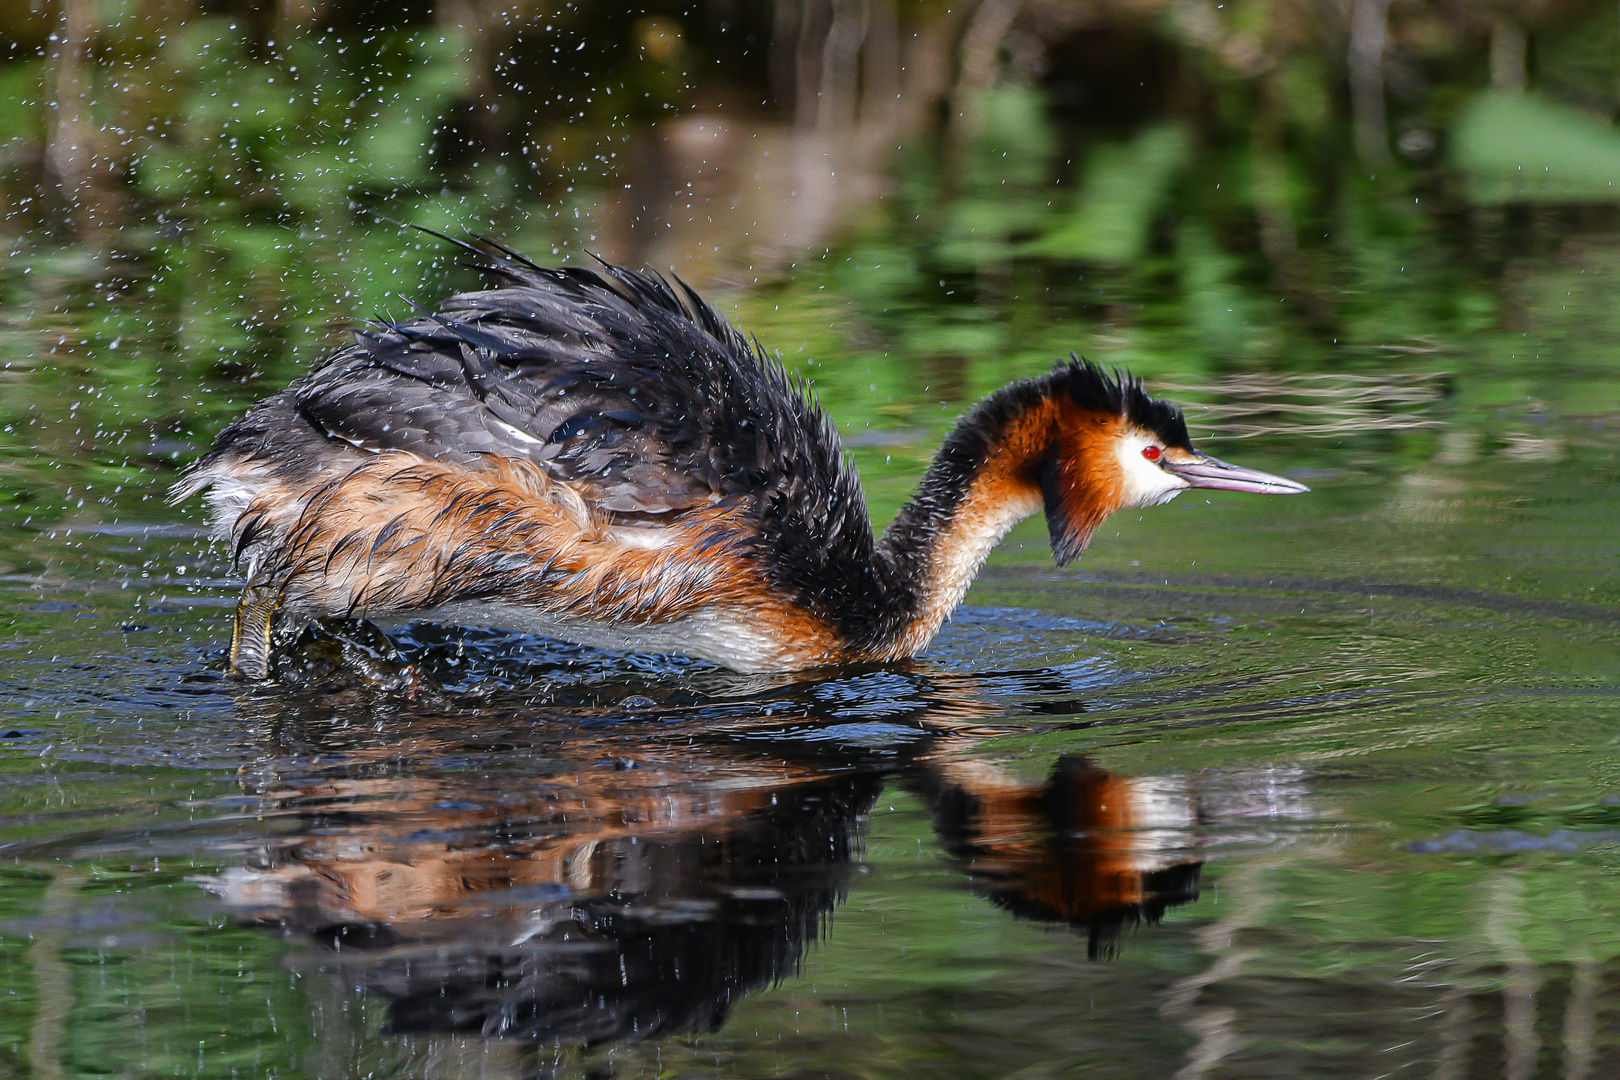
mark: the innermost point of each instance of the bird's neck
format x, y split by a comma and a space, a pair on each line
985, 479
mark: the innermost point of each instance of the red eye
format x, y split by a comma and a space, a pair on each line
1152, 453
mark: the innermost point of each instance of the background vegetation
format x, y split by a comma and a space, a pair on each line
913, 200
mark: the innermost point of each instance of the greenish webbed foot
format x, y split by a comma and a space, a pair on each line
250, 634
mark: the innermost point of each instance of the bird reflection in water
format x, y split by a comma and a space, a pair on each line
636, 880
1087, 847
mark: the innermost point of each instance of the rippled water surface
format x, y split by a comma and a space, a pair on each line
1261, 788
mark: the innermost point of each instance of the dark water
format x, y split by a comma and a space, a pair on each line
1319, 786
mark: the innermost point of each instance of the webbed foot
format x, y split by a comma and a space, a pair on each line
250, 633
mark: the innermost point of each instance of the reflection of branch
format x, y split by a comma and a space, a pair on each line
1334, 404
53, 981
1216, 1026
1579, 1017
1504, 926
1264, 407
1299, 384
781, 59
1407, 350
1454, 1034
1343, 427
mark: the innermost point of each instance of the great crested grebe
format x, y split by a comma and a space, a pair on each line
600, 457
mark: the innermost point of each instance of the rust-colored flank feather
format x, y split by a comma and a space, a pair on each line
600, 457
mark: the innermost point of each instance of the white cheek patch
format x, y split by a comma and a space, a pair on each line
1145, 483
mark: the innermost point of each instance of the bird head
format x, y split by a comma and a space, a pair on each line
1113, 447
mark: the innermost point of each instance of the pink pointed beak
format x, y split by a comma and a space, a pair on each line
1208, 472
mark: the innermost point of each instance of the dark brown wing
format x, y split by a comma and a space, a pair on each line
642, 399
636, 396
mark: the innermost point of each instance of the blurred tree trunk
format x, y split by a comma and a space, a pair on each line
1366, 62
72, 155
1508, 47
836, 61
815, 20
981, 59
926, 69
840, 66
781, 60
294, 14
473, 24
1279, 239
880, 63
1273, 207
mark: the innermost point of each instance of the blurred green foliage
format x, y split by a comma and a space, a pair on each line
1123, 190
1171, 188
1514, 149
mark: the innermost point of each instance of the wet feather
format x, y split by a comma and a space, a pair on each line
603, 446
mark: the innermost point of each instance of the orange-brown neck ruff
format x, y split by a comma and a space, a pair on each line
1028, 447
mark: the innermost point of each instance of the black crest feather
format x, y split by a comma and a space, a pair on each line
1119, 392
